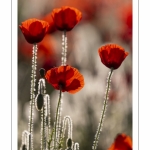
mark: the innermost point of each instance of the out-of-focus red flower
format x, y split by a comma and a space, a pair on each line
112, 55
49, 19
47, 54
34, 30
128, 77
122, 142
126, 20
112, 95
65, 78
87, 7
65, 18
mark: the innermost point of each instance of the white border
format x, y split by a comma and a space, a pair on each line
14, 76
141, 98
5, 74
144, 75
135, 77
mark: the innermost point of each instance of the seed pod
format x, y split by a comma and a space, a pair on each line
39, 102
42, 72
69, 143
24, 147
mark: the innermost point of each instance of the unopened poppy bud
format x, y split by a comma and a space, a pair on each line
24, 147
69, 143
39, 102
42, 72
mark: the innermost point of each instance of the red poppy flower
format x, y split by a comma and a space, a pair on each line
122, 142
125, 14
34, 30
112, 55
65, 78
65, 18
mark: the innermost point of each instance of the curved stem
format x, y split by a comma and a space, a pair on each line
66, 120
25, 140
99, 129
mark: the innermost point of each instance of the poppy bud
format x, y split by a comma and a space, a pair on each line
39, 102
24, 147
42, 72
69, 143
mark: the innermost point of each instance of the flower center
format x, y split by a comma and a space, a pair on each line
61, 85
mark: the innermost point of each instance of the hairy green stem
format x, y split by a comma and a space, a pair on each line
56, 120
32, 94
50, 139
64, 49
43, 129
99, 129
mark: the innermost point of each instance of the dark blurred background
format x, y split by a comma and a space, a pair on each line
108, 21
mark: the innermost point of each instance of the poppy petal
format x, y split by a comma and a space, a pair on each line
74, 86
35, 28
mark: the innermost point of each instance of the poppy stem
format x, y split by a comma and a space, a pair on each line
64, 49
100, 125
48, 118
43, 127
32, 94
56, 139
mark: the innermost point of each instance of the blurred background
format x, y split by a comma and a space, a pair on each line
108, 21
